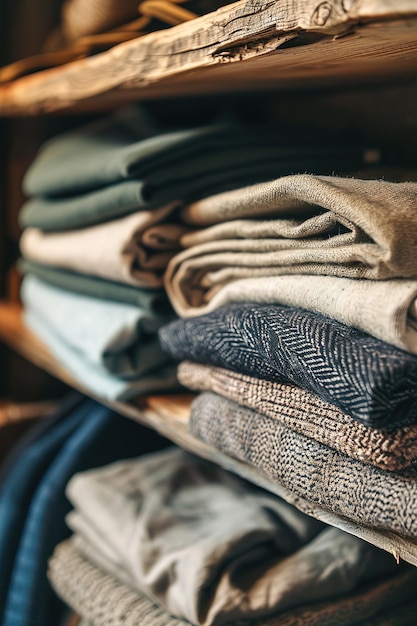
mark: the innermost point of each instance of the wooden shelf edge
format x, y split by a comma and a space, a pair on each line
251, 44
169, 414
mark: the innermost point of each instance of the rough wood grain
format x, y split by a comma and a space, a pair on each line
286, 34
169, 416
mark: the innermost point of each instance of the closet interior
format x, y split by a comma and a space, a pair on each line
338, 75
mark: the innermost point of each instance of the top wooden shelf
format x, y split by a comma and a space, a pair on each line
247, 46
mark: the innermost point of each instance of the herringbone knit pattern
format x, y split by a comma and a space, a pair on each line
368, 379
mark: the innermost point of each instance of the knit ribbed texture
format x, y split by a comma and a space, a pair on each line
360, 492
368, 379
102, 601
307, 414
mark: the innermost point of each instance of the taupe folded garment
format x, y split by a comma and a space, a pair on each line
206, 545
363, 494
307, 414
134, 249
299, 224
101, 599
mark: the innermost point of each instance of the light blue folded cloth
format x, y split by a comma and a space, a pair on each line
112, 349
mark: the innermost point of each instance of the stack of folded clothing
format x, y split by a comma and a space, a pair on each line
103, 222
306, 352
172, 539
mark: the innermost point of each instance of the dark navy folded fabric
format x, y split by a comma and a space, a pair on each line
20, 484
100, 437
370, 380
37, 432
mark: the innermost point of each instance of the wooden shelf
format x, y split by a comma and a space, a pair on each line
169, 415
246, 46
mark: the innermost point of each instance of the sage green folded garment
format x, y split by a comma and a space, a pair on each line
101, 599
151, 299
300, 224
119, 165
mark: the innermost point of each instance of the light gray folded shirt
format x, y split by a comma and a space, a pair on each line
207, 546
120, 338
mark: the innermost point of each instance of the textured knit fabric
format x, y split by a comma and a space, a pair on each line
95, 287
21, 483
385, 309
119, 338
209, 547
298, 224
121, 164
114, 250
368, 379
101, 437
360, 492
103, 600
307, 414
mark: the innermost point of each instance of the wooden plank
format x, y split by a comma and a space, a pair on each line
169, 415
251, 44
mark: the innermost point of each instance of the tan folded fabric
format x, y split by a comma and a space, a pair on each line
134, 249
386, 309
307, 414
102, 600
299, 224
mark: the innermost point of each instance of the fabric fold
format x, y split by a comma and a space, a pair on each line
114, 250
119, 338
370, 380
95, 287
359, 492
124, 163
172, 522
386, 309
308, 415
94, 594
300, 224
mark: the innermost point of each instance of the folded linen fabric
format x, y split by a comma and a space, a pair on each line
171, 522
119, 338
366, 378
114, 250
307, 414
123, 164
94, 287
386, 309
299, 224
360, 492
98, 597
